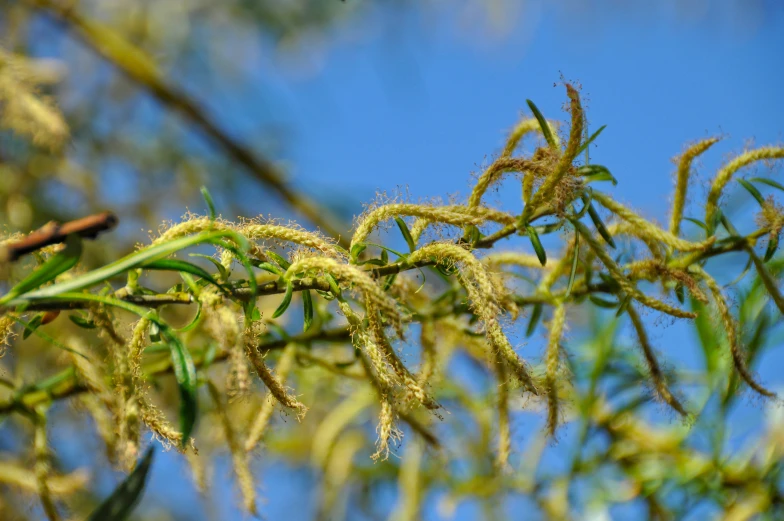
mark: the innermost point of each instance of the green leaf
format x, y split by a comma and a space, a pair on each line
406, 233
182, 266
268, 266
333, 285
284, 305
307, 304
769, 182
357, 250
185, 374
384, 257
600, 227
680, 293
537, 244
224, 273
596, 173
30, 327
59, 263
773, 245
283, 263
208, 200
575, 259
122, 501
623, 306
155, 332
752, 190
389, 281
82, 322
590, 140
602, 303
698, 223
548, 136
536, 314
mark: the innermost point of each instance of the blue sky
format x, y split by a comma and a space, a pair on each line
410, 100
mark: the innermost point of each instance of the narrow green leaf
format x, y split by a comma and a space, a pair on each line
406, 233
590, 140
255, 315
602, 303
752, 190
59, 263
769, 182
773, 245
742, 274
208, 199
284, 305
268, 266
548, 136
282, 262
384, 257
623, 306
224, 273
600, 227
697, 222
680, 293
182, 266
307, 304
155, 332
537, 244
536, 314
30, 327
333, 285
185, 374
596, 173
123, 500
389, 281
82, 322
575, 259
357, 250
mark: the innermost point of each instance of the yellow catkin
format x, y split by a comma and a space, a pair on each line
386, 430
364, 340
624, 228
482, 293
104, 423
555, 177
371, 291
526, 126
659, 382
20, 476
513, 258
456, 215
504, 424
625, 284
274, 385
239, 457
730, 328
6, 332
336, 421
42, 468
408, 380
198, 471
290, 233
727, 171
429, 362
682, 181
140, 404
222, 325
643, 227
126, 404
262, 419
494, 173
552, 365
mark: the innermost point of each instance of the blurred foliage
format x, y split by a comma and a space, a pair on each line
371, 349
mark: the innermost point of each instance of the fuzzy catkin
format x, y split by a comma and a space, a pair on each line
653, 364
261, 421
727, 171
552, 363
682, 181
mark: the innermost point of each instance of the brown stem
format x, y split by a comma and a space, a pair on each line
53, 233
